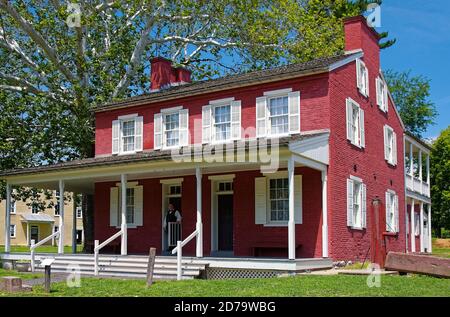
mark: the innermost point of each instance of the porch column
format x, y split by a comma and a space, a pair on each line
430, 240
28, 233
422, 249
123, 208
412, 233
411, 162
8, 219
428, 171
291, 223
420, 171
74, 224
324, 215
199, 226
61, 217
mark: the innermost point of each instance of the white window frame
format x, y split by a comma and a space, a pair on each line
183, 133
164, 130
209, 120
13, 209
390, 145
138, 134
269, 200
213, 124
33, 205
382, 94
362, 77
355, 129
270, 117
14, 231
361, 201
133, 136
138, 207
79, 212
392, 212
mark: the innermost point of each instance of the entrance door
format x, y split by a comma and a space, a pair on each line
225, 222
34, 233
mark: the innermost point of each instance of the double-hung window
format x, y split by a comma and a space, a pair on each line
356, 203
382, 94
278, 113
12, 231
129, 207
127, 135
279, 199
13, 209
391, 212
221, 121
355, 123
79, 211
171, 128
362, 78
390, 145
133, 205
34, 208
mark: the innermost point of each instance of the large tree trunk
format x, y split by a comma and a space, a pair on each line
88, 223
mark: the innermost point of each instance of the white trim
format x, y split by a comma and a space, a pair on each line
277, 93
348, 60
356, 179
129, 184
128, 116
392, 101
15, 231
224, 177
171, 181
220, 102
170, 110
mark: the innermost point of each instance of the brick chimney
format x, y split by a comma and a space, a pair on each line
164, 75
358, 35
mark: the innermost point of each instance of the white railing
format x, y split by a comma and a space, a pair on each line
98, 247
426, 189
409, 182
414, 183
173, 233
34, 246
179, 251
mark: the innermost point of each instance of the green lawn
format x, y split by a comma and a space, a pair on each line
311, 285
441, 249
41, 249
24, 276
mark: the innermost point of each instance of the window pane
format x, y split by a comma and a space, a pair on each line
222, 122
279, 199
278, 115
130, 205
172, 129
128, 135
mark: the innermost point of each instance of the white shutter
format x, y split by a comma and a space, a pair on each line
397, 228
116, 137
157, 130
364, 206
298, 208
294, 112
394, 148
362, 132
386, 144
385, 97
206, 124
260, 200
379, 93
388, 209
138, 205
349, 120
138, 137
358, 75
261, 116
113, 206
366, 84
184, 127
236, 120
349, 202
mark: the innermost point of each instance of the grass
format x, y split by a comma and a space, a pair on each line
41, 249
310, 285
441, 247
24, 276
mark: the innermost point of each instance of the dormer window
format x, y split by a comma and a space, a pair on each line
171, 128
362, 78
127, 134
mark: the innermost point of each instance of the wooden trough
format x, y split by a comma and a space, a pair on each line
418, 263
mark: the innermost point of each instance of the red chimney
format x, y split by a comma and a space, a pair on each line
161, 73
184, 75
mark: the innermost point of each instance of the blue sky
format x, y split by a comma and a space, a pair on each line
422, 30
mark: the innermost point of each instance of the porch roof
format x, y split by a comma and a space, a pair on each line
37, 218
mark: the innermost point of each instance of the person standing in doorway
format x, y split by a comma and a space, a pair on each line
173, 216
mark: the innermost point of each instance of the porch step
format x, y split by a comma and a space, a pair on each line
126, 266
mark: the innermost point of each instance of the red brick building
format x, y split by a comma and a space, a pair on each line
331, 185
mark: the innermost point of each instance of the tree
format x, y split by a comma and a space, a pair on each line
440, 184
411, 96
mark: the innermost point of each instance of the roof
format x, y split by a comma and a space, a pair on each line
148, 155
245, 79
419, 140
37, 218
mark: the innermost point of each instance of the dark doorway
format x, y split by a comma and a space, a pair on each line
34, 233
225, 222
176, 201
79, 236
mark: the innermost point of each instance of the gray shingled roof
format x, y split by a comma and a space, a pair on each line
228, 82
151, 155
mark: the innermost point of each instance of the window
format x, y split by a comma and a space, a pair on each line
382, 94
130, 205
390, 145
362, 75
55, 229
225, 186
278, 113
13, 207
56, 208
391, 211
133, 205
12, 231
222, 123
127, 134
356, 203
79, 211
175, 190
355, 123
278, 199
171, 128
34, 208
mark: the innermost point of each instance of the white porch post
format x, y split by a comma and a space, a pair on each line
324, 214
8, 219
413, 232
61, 217
291, 223
199, 225
28, 233
411, 162
123, 208
428, 170
422, 249
74, 224
430, 240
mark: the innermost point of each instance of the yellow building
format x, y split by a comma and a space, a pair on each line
28, 223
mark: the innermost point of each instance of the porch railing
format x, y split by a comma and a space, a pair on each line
179, 251
98, 247
35, 245
173, 233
